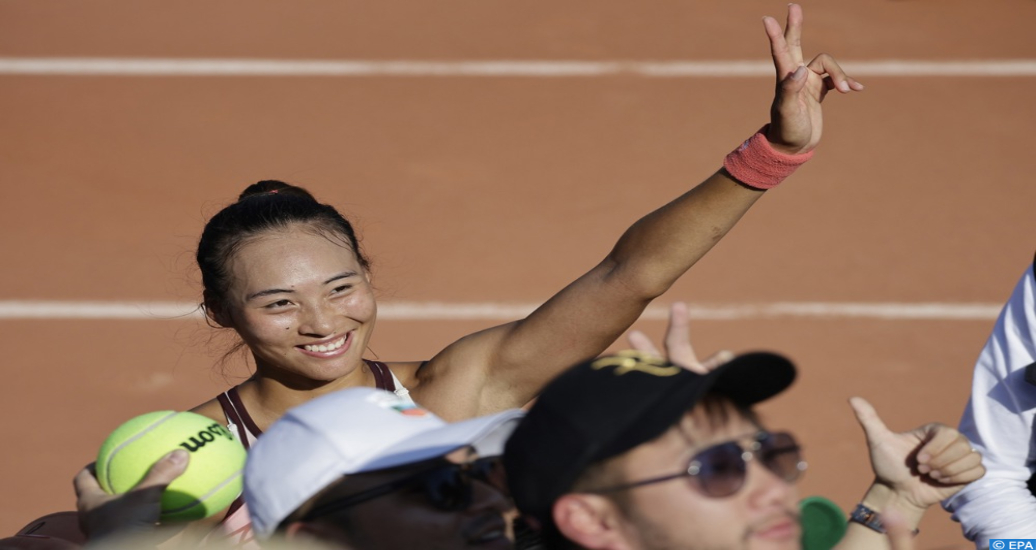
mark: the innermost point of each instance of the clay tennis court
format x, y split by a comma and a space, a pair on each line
482, 189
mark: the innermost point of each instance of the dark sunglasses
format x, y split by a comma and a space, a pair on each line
447, 486
720, 470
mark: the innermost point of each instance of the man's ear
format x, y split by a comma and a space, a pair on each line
591, 521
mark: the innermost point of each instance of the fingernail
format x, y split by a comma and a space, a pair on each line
177, 457
799, 73
843, 86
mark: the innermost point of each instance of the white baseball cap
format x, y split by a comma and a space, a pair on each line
349, 432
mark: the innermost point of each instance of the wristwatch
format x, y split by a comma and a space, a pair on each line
865, 516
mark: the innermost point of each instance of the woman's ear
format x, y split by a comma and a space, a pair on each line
591, 521
215, 311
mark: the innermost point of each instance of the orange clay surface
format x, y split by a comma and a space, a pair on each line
502, 190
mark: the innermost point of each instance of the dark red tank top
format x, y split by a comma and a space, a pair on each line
237, 414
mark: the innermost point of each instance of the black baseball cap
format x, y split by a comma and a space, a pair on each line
606, 406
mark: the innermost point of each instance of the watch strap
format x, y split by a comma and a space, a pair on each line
867, 517
864, 515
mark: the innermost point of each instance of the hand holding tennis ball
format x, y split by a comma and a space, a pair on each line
138, 510
211, 481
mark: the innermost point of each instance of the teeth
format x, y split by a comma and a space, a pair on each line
323, 348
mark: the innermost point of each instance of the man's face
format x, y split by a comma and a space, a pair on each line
407, 517
677, 514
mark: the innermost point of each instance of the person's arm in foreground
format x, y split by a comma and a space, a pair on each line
900, 535
999, 421
912, 471
505, 366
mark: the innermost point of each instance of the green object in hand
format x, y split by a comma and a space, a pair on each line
823, 523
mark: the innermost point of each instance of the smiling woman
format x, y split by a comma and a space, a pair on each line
287, 273
290, 279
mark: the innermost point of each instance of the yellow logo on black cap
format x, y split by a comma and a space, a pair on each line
632, 360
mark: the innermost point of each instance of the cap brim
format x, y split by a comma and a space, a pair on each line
747, 379
487, 434
753, 377
61, 525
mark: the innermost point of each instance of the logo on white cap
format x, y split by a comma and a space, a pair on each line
388, 400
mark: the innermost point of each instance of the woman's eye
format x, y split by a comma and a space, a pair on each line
341, 288
278, 303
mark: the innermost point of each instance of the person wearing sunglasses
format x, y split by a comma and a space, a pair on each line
631, 451
400, 478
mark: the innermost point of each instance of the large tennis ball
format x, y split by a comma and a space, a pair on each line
213, 477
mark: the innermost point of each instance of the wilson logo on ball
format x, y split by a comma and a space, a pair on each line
207, 435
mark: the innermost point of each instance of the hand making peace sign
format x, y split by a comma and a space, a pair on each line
795, 117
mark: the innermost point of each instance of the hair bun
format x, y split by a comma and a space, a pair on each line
267, 187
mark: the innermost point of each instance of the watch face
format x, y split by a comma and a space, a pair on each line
865, 516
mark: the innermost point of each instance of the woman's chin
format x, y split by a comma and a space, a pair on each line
312, 376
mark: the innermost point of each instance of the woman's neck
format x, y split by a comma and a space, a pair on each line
268, 396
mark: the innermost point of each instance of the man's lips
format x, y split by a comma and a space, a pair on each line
781, 528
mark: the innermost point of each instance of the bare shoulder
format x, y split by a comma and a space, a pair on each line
211, 409
455, 383
406, 372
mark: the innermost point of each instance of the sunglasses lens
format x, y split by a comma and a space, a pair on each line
448, 488
781, 454
491, 470
720, 469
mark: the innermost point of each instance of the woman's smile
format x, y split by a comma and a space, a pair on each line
333, 347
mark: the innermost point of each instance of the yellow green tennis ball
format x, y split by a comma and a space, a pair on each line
213, 477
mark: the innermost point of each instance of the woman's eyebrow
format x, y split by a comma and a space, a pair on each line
267, 292
344, 275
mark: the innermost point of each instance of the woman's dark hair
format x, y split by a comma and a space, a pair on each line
264, 206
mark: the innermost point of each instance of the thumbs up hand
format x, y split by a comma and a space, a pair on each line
922, 466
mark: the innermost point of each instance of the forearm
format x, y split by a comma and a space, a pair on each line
1000, 504
998, 420
589, 314
879, 498
994, 508
656, 250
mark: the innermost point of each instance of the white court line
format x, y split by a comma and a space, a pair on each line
435, 311
89, 66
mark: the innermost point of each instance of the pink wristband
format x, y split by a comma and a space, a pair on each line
758, 165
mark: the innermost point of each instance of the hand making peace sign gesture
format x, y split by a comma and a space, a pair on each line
795, 117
